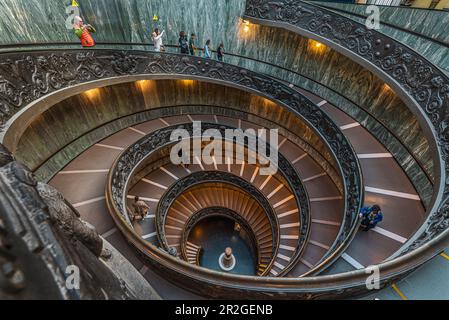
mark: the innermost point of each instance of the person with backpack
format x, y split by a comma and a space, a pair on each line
371, 216
220, 52
183, 43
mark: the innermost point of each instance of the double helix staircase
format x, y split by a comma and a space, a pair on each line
293, 253
326, 202
274, 187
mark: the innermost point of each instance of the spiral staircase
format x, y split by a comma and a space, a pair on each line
302, 221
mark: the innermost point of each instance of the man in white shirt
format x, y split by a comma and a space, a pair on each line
157, 40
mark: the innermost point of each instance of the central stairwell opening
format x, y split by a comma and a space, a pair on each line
214, 234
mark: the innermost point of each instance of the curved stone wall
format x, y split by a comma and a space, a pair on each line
427, 30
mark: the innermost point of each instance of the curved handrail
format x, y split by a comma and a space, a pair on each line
423, 86
342, 244
198, 178
53, 71
420, 84
143, 44
227, 285
402, 6
136, 154
434, 236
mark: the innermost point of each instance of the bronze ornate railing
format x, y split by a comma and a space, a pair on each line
234, 58
29, 77
128, 163
197, 178
421, 85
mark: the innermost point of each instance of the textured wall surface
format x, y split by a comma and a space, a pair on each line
120, 20
88, 118
432, 23
429, 23
356, 90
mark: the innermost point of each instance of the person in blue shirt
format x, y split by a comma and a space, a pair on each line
371, 216
207, 53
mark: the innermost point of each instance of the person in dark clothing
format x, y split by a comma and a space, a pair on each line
192, 46
183, 43
371, 216
220, 52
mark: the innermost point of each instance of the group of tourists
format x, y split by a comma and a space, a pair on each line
187, 46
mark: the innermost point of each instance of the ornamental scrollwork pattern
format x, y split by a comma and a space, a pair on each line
418, 78
135, 153
26, 77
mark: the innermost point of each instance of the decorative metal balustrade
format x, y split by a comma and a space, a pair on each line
232, 58
134, 157
28, 77
385, 135
422, 86
204, 180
